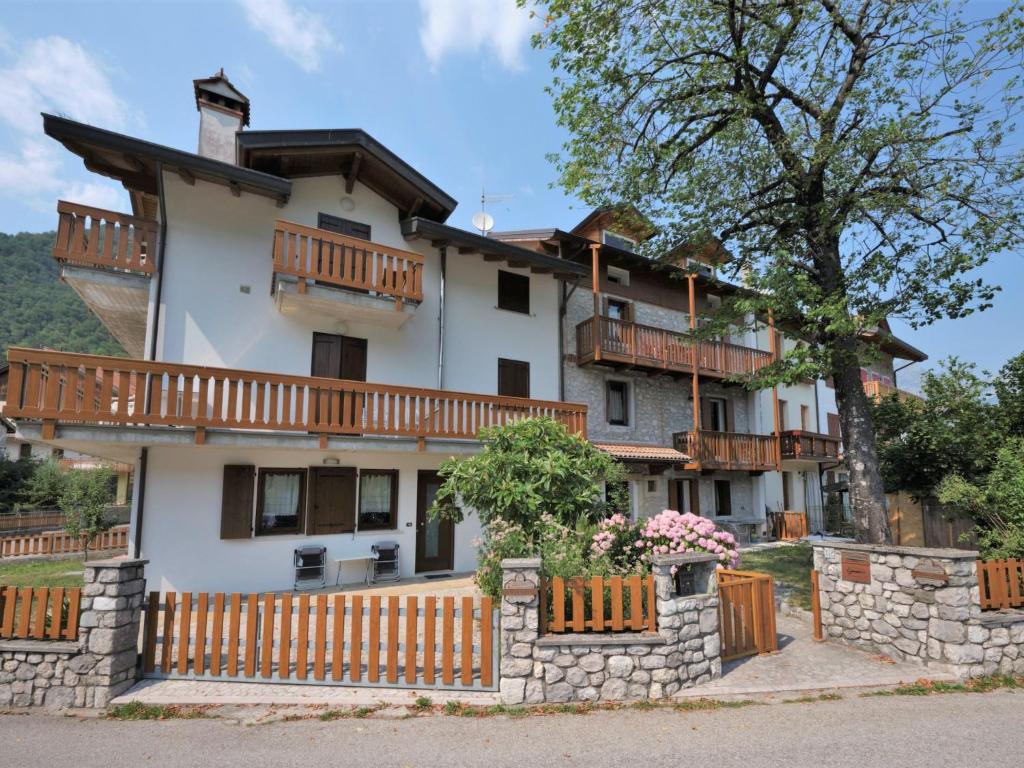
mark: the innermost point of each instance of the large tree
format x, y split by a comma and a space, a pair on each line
852, 155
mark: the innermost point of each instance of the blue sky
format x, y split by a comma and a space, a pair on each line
452, 86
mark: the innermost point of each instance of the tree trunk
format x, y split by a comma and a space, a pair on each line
867, 494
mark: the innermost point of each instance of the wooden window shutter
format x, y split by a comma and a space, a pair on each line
326, 357
834, 429
332, 501
694, 496
236, 507
343, 226
513, 378
353, 358
730, 415
705, 414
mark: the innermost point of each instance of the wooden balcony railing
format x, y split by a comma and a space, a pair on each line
729, 450
879, 389
645, 346
92, 237
88, 389
309, 253
796, 444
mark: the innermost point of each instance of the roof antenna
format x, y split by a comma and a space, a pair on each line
482, 220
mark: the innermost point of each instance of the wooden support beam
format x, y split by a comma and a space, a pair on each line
414, 209
49, 431
439, 243
187, 176
515, 264
492, 257
135, 164
323, 441
467, 249
353, 171
236, 190
595, 289
200, 435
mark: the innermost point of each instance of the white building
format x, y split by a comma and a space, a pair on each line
309, 341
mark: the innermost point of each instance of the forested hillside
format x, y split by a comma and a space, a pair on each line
36, 308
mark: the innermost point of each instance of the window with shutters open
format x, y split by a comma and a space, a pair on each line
378, 499
617, 395
513, 378
513, 292
280, 501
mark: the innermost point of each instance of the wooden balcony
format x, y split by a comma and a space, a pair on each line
631, 345
728, 450
108, 259
879, 389
344, 277
799, 445
66, 388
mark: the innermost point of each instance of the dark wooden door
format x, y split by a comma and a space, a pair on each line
435, 539
332, 500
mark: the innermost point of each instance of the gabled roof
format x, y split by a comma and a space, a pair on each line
134, 162
354, 154
491, 249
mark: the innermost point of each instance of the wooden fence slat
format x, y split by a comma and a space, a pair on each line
199, 663
615, 585
411, 609
284, 643
392, 660
216, 633
234, 620
355, 664
466, 664
152, 617
636, 608
25, 614
267, 638
10, 596
597, 604
184, 632
578, 600
42, 599
448, 640
320, 640
302, 642
57, 617
338, 639
251, 633
557, 604
486, 641
167, 649
429, 638
652, 605
373, 652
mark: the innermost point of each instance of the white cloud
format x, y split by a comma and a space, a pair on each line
297, 32
53, 74
469, 26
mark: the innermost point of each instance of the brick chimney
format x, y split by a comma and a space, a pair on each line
223, 112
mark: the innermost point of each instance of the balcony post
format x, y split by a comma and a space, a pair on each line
595, 289
772, 347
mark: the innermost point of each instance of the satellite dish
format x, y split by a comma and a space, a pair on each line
483, 221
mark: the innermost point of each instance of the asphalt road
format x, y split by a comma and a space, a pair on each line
960, 730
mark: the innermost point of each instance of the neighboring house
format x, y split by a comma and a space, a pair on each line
309, 341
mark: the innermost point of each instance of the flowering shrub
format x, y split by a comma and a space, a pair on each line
627, 547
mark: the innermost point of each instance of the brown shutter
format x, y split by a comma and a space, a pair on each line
353, 358
834, 430
730, 415
705, 413
513, 378
694, 496
343, 226
332, 505
326, 358
236, 501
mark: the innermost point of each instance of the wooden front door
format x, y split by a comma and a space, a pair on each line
435, 539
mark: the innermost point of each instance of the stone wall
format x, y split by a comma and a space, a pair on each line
612, 666
920, 605
100, 664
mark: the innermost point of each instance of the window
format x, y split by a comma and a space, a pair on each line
338, 357
618, 276
513, 378
782, 415
787, 490
343, 226
25, 451
618, 403
281, 501
378, 499
805, 418
652, 486
513, 292
681, 495
716, 414
617, 309
621, 242
723, 498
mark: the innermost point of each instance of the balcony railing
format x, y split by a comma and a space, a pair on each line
315, 254
91, 237
879, 389
798, 445
729, 450
645, 346
60, 387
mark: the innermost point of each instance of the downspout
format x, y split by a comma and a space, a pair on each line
440, 318
144, 453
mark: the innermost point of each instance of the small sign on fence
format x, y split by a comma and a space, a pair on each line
856, 567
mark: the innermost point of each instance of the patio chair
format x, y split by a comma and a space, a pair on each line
310, 567
385, 565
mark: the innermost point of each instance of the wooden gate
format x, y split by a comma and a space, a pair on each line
746, 613
391, 641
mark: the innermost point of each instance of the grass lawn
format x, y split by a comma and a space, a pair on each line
790, 565
42, 573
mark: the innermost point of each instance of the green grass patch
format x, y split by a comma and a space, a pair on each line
43, 573
983, 684
453, 707
344, 714
789, 565
706, 705
812, 699
423, 703
136, 710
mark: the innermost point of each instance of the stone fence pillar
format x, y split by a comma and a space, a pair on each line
611, 666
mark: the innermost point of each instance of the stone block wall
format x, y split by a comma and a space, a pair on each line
907, 614
100, 664
613, 666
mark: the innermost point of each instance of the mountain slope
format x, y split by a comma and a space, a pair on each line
37, 309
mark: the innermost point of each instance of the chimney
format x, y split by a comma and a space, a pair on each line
223, 112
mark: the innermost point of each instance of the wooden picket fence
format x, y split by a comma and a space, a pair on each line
407, 641
39, 613
61, 543
598, 604
1001, 583
788, 526
747, 613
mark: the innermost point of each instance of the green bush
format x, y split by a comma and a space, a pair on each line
47, 484
14, 476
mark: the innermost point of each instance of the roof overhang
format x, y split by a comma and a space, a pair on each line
351, 153
647, 454
134, 162
894, 346
491, 249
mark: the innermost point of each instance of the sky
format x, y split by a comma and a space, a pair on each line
452, 86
